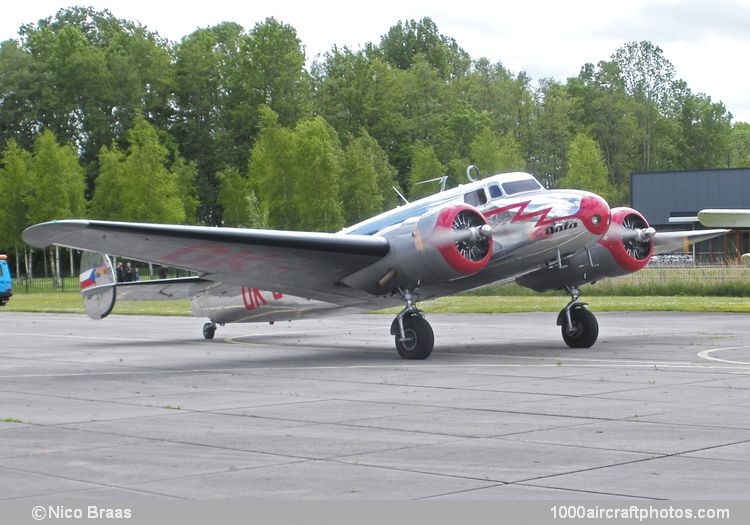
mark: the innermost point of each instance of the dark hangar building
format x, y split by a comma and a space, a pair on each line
671, 200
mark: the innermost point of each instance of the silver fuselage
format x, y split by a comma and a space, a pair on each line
532, 228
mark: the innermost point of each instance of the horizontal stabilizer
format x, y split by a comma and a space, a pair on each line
161, 289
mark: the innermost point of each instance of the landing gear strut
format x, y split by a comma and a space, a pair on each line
414, 337
578, 325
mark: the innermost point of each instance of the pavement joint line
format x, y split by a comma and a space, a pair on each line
655, 456
133, 484
619, 449
195, 444
487, 479
598, 467
275, 454
456, 492
76, 491
745, 368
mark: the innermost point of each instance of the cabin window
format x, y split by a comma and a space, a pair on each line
519, 186
495, 191
476, 197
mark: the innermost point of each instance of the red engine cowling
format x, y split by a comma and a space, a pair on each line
629, 251
627, 247
448, 243
463, 252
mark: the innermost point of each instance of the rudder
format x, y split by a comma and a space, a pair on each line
98, 285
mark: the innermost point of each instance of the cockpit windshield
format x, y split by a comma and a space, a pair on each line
519, 186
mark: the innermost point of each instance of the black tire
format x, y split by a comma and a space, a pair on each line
209, 330
419, 338
585, 329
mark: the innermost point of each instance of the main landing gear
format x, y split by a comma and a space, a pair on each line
578, 325
414, 337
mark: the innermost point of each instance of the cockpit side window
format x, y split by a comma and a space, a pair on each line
476, 197
495, 191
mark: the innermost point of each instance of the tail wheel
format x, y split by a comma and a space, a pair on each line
209, 330
419, 339
585, 329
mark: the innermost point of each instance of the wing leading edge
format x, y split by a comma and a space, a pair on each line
307, 264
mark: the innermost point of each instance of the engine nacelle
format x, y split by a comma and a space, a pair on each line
626, 247
448, 243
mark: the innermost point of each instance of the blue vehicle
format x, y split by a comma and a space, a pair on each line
5, 282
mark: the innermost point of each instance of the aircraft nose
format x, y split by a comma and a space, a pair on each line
594, 213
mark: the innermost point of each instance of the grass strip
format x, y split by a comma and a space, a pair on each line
71, 303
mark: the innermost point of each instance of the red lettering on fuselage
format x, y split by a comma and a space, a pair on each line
214, 257
252, 298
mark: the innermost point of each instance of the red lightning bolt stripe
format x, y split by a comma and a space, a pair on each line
522, 216
593, 212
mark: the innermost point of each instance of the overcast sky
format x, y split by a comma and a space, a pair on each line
708, 41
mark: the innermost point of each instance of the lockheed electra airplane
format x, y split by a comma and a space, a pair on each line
504, 228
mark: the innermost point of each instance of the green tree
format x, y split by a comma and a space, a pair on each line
424, 166
493, 154
57, 181
277, 75
317, 164
90, 74
271, 171
207, 87
237, 200
223, 75
552, 131
360, 195
15, 185
702, 131
296, 174
603, 110
586, 168
20, 87
648, 77
739, 156
110, 185
186, 175
57, 187
386, 174
344, 86
407, 40
137, 186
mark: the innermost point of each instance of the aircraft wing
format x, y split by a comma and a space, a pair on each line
732, 218
665, 242
305, 264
